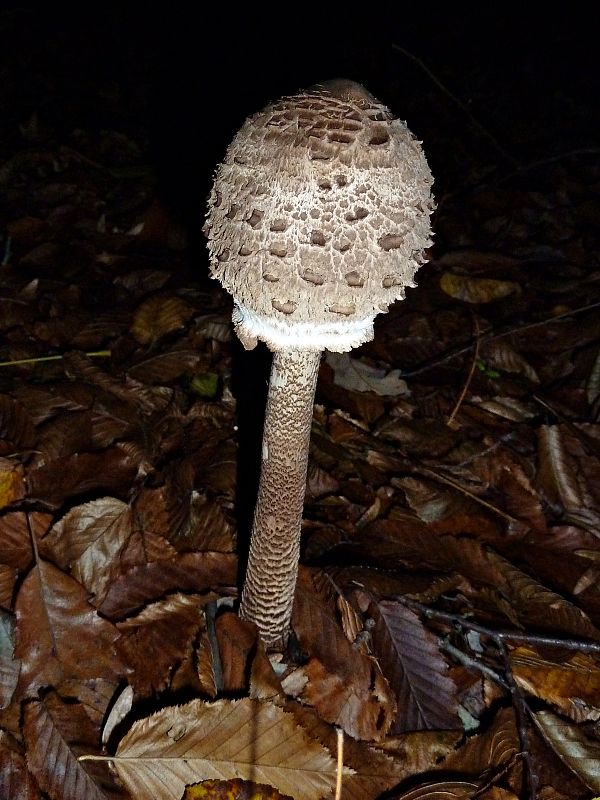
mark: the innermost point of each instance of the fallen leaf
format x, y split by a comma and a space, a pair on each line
476, 290
59, 634
418, 674
579, 753
158, 638
16, 782
88, 541
573, 685
245, 739
188, 572
356, 376
232, 790
56, 733
346, 686
158, 316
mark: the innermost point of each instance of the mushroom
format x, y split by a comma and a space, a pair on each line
317, 221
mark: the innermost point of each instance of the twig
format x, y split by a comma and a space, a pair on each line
490, 335
340, 764
504, 635
509, 683
474, 664
467, 493
37, 359
461, 397
463, 107
520, 707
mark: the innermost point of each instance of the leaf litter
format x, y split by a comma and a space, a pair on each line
447, 617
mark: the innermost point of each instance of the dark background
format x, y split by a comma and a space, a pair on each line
184, 81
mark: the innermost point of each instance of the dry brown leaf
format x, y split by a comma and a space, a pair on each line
206, 667
411, 660
499, 354
476, 290
578, 752
12, 482
237, 641
8, 579
16, 428
111, 471
10, 666
493, 749
440, 790
56, 733
16, 540
233, 790
345, 686
158, 638
227, 739
187, 572
162, 368
89, 540
568, 474
59, 634
158, 316
16, 782
572, 686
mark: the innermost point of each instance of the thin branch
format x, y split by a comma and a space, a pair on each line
490, 335
40, 359
521, 710
473, 664
340, 764
490, 507
465, 389
504, 635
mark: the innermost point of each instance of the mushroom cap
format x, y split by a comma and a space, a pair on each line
318, 218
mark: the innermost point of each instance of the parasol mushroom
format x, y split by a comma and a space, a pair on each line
318, 219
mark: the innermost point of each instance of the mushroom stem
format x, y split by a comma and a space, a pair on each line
268, 593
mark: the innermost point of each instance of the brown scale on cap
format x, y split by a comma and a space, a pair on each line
320, 210
318, 220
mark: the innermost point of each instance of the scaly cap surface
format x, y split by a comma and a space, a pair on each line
318, 218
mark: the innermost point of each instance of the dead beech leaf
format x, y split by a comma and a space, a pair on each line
162, 368
499, 354
9, 666
237, 642
89, 540
356, 376
8, 579
244, 739
572, 686
16, 782
440, 790
232, 790
568, 474
59, 634
158, 316
188, 572
345, 686
16, 428
16, 541
495, 748
157, 638
12, 482
418, 674
476, 290
569, 742
55, 734
111, 471
374, 772
535, 604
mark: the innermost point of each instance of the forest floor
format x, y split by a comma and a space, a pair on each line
447, 617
